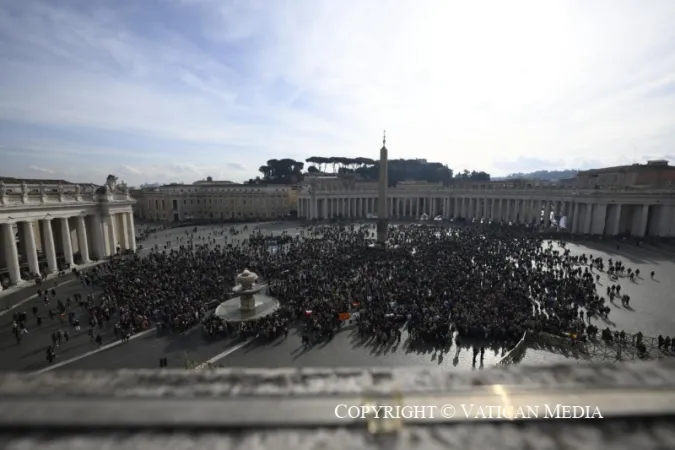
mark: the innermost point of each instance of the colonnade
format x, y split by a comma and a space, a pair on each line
579, 216
92, 236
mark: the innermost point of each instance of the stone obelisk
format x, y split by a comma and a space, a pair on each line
382, 222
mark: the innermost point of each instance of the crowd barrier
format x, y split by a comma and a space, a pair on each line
548, 339
516, 352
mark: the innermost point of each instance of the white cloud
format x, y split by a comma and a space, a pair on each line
41, 169
483, 85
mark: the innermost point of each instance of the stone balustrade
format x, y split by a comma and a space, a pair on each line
21, 194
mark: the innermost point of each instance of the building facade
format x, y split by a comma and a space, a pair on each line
609, 211
655, 174
213, 200
47, 225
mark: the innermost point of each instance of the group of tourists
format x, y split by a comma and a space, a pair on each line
486, 282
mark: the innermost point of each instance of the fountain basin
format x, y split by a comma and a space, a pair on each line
249, 303
232, 311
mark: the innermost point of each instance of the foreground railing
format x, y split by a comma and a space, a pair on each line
305, 408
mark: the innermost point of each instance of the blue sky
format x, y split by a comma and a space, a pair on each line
176, 90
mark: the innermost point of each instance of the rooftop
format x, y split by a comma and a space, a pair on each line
651, 165
12, 180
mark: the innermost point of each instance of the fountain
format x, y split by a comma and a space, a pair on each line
248, 303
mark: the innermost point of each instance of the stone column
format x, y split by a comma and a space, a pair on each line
507, 216
536, 212
65, 241
575, 218
30, 246
325, 207
82, 240
547, 213
642, 222
11, 253
129, 217
99, 242
112, 231
50, 250
588, 218
122, 223
614, 222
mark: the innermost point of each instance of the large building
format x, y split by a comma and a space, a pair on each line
214, 200
47, 225
634, 200
654, 174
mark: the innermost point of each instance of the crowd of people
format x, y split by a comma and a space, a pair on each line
480, 281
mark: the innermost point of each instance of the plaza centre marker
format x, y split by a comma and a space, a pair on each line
468, 411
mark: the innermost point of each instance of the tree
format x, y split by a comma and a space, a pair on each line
209, 179
273, 164
265, 170
312, 169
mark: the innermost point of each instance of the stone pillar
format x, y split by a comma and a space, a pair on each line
11, 253
641, 231
129, 217
575, 218
82, 240
536, 212
99, 242
30, 246
616, 220
112, 232
325, 207
600, 226
65, 241
122, 223
547, 213
507, 217
50, 250
588, 218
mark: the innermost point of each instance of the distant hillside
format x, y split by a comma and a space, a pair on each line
550, 175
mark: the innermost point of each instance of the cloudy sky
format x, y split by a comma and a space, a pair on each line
175, 90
